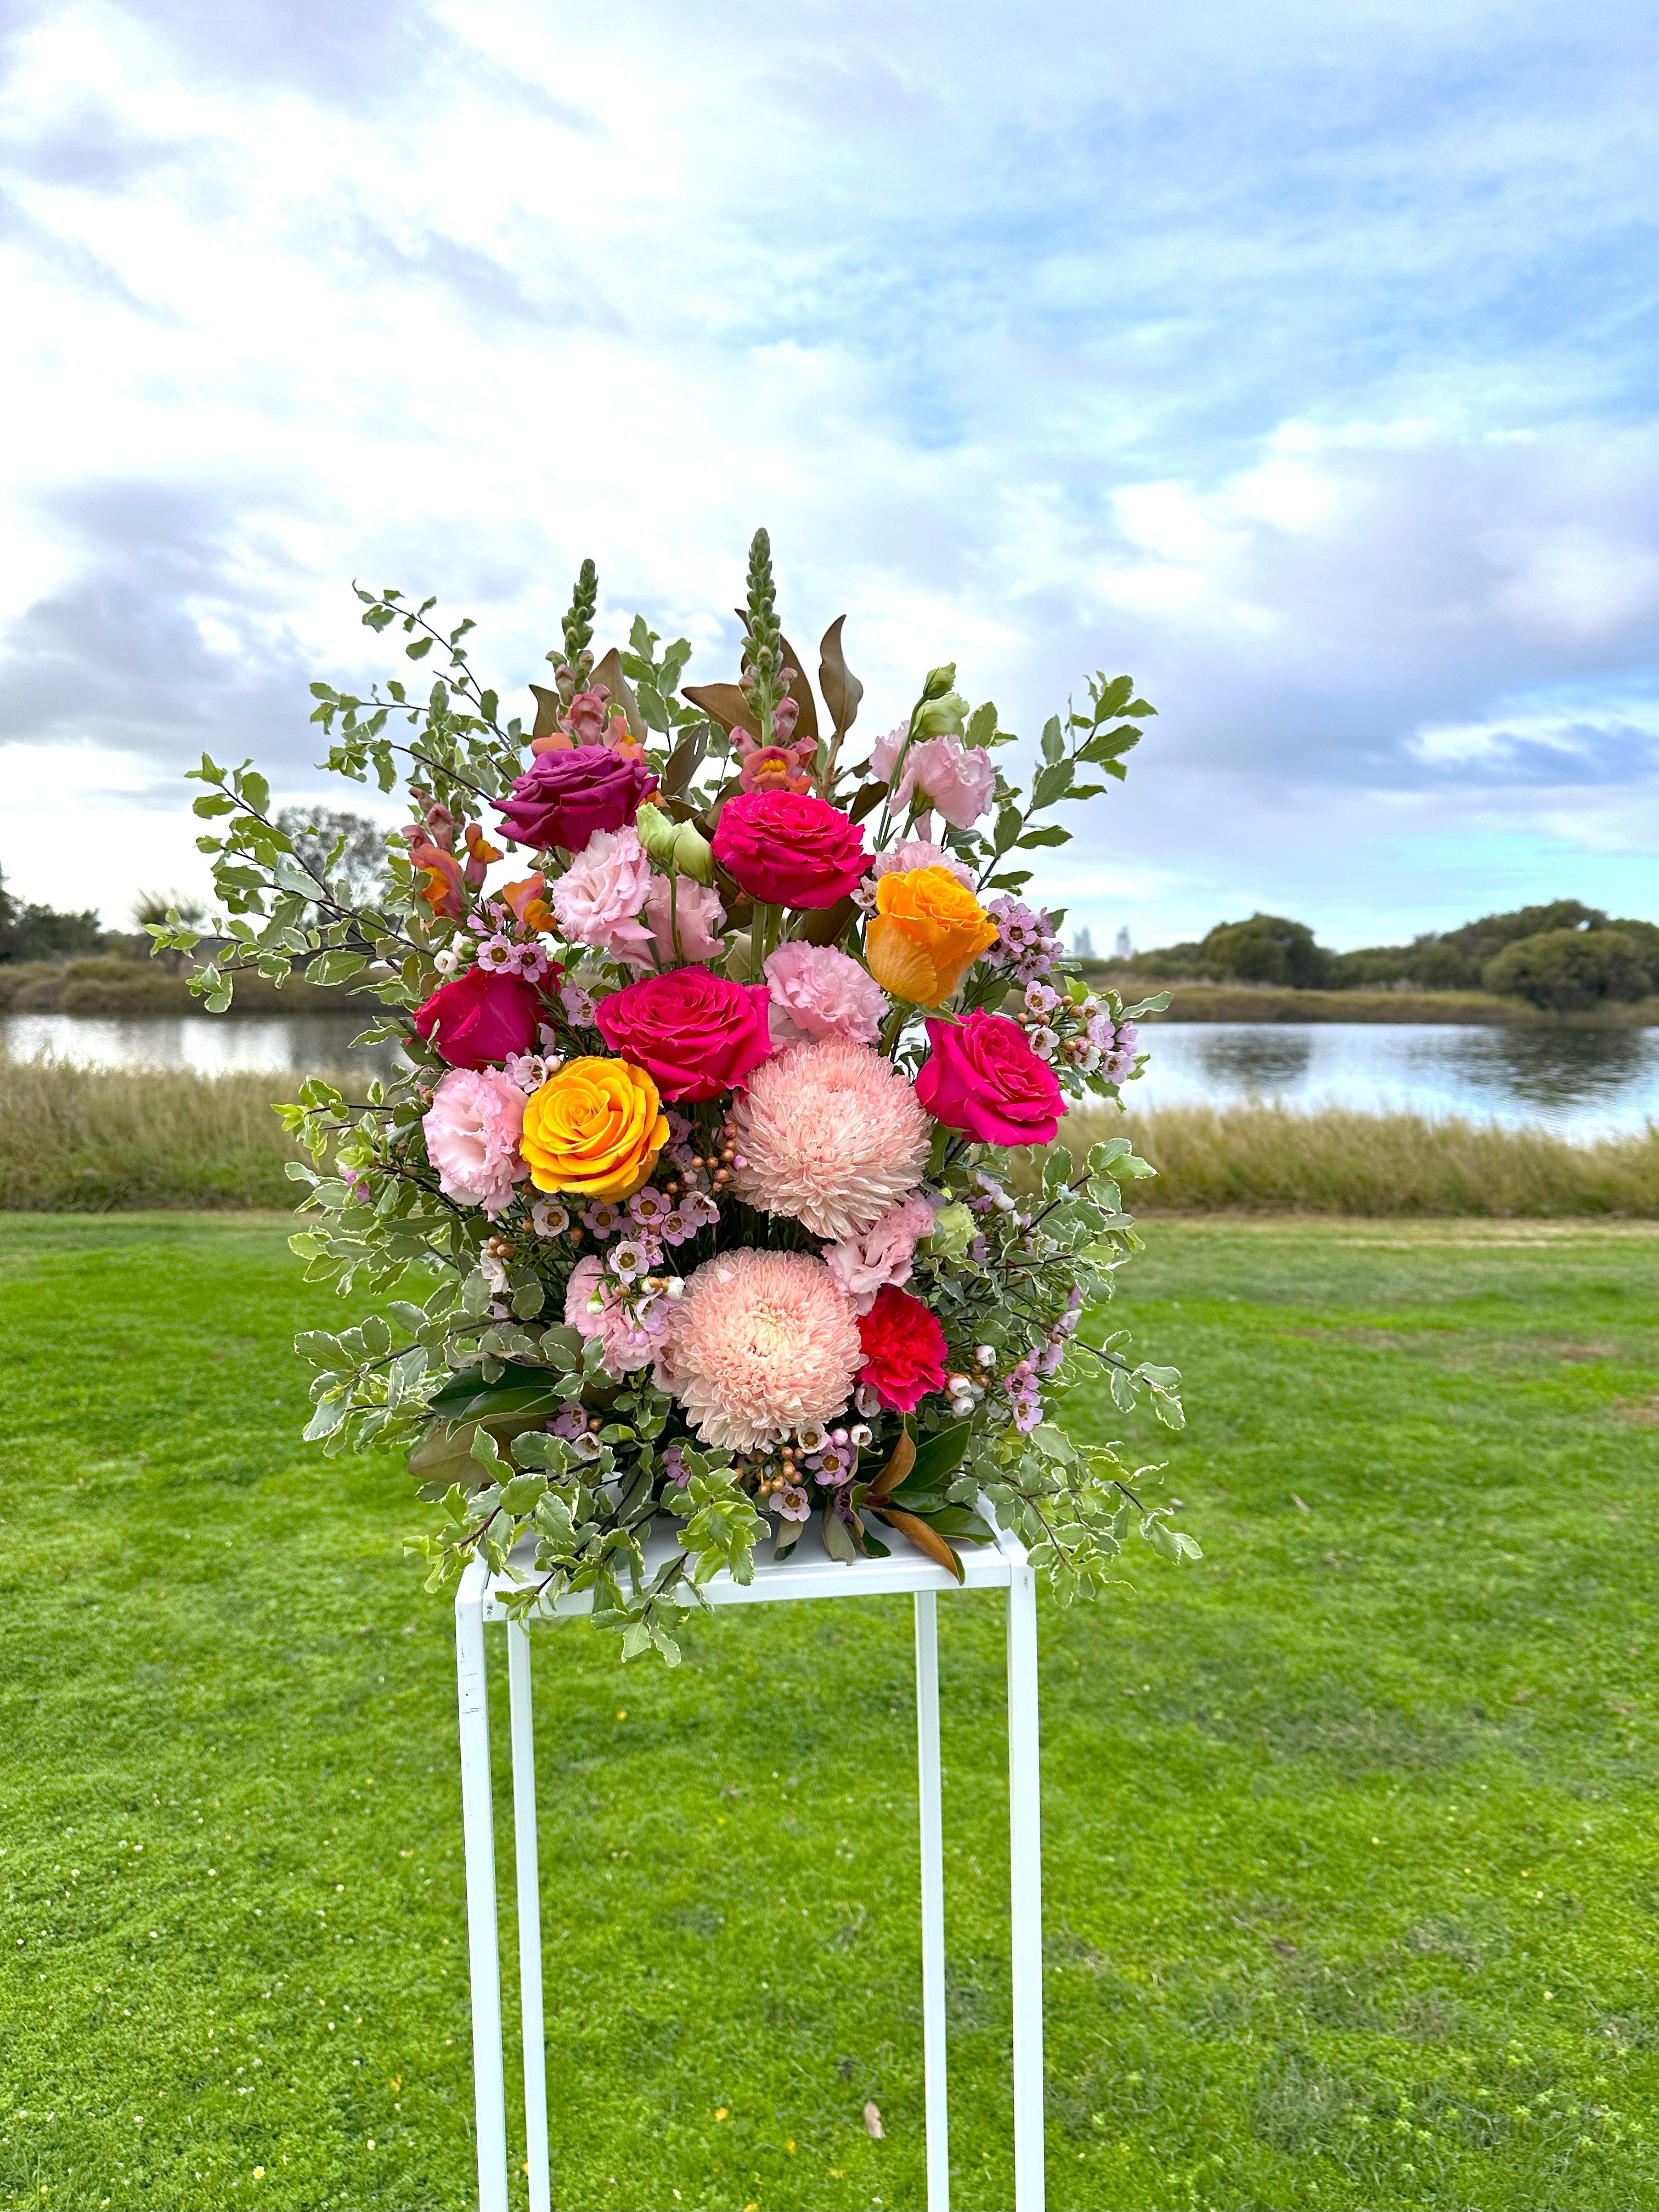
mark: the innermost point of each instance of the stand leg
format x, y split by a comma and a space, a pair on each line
527, 1867
1026, 1856
932, 1904
489, 2090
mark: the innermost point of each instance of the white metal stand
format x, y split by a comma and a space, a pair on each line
810, 1574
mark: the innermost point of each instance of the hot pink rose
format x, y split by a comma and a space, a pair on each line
564, 796
818, 991
479, 1018
694, 1033
472, 1132
983, 1079
694, 910
861, 1266
789, 848
598, 899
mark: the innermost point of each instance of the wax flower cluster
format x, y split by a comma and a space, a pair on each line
726, 1165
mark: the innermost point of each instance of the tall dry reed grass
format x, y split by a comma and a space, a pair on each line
78, 1140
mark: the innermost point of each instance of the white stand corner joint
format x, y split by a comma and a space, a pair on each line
810, 1574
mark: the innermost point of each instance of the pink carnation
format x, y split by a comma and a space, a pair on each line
627, 1345
599, 897
921, 852
830, 1133
700, 917
863, 1265
472, 1131
818, 991
761, 1344
958, 779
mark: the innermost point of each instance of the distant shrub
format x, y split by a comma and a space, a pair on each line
1565, 971
1267, 949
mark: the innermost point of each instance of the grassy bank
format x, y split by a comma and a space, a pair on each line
1348, 1860
116, 990
75, 1141
1269, 1002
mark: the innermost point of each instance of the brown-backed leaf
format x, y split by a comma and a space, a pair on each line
924, 1539
549, 708
904, 1459
801, 692
826, 923
867, 799
685, 760
725, 703
610, 673
840, 687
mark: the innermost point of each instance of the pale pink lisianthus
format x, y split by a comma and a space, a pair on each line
695, 910
472, 1131
761, 1344
819, 992
598, 899
862, 1264
830, 1134
958, 779
921, 852
627, 1345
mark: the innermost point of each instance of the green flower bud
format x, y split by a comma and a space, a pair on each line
946, 715
953, 1230
693, 855
657, 832
939, 681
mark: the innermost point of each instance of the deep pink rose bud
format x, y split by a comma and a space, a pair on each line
563, 797
983, 1078
480, 1018
694, 1033
790, 848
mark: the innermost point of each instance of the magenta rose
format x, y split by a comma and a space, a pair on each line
480, 1018
563, 797
789, 848
983, 1078
694, 1033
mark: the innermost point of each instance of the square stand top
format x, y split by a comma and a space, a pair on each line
809, 1573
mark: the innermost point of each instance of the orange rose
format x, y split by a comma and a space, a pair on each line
925, 934
595, 1128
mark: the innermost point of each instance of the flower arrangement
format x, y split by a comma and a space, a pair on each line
722, 1186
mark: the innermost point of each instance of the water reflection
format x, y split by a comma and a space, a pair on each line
1584, 1082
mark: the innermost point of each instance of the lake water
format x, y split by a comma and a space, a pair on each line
1584, 1082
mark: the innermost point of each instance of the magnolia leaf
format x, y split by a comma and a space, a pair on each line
837, 1537
550, 707
725, 703
806, 724
867, 799
938, 1455
904, 1459
610, 673
840, 687
825, 925
684, 761
924, 1539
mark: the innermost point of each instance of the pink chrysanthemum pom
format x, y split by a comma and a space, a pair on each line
761, 1343
830, 1135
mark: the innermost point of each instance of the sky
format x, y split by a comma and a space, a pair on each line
1301, 362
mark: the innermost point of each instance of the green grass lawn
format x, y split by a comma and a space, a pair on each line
1352, 1876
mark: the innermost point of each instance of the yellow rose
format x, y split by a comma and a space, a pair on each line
596, 1128
925, 934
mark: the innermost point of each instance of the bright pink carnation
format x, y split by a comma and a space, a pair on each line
599, 897
864, 1265
830, 1133
760, 1344
903, 1350
819, 992
479, 1018
694, 1033
983, 1079
789, 848
472, 1131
